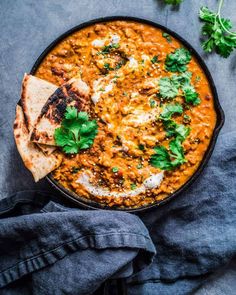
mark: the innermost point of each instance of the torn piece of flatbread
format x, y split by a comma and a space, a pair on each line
73, 93
34, 94
34, 159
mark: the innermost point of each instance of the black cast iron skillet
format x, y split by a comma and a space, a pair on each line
80, 201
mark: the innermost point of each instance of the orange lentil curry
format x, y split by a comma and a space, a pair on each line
146, 94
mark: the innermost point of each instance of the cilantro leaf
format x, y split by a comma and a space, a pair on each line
168, 87
177, 61
173, 129
171, 109
190, 95
165, 160
154, 59
161, 158
167, 36
177, 152
108, 67
77, 132
108, 48
216, 31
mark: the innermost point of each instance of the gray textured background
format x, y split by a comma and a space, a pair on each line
28, 26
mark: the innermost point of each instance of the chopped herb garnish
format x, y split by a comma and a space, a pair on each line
119, 65
133, 186
102, 89
152, 103
168, 87
168, 160
190, 95
186, 119
108, 67
171, 109
108, 48
77, 132
139, 166
173, 129
141, 147
75, 170
115, 169
167, 36
154, 59
178, 60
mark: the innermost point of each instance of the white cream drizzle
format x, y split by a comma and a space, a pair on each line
151, 182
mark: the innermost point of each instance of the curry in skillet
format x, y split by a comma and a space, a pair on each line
149, 115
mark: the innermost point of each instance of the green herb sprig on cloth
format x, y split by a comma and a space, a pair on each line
217, 32
77, 132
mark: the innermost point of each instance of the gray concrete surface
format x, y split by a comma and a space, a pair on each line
28, 26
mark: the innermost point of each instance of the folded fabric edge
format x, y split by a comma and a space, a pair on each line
138, 242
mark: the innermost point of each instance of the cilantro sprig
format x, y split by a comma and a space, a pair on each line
178, 60
77, 132
169, 88
171, 127
108, 48
216, 30
168, 160
171, 109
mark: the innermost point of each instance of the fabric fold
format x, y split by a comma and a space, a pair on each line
50, 235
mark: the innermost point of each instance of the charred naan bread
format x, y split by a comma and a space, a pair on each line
34, 159
34, 94
73, 93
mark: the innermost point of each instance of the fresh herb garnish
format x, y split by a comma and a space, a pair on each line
152, 103
168, 87
133, 186
168, 160
186, 119
154, 59
74, 170
139, 166
177, 61
115, 169
77, 132
171, 109
173, 129
141, 147
108, 48
167, 36
190, 95
108, 67
217, 32
119, 65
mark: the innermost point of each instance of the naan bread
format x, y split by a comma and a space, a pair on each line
73, 93
34, 94
34, 159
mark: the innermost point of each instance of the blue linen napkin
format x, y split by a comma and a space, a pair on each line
46, 248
